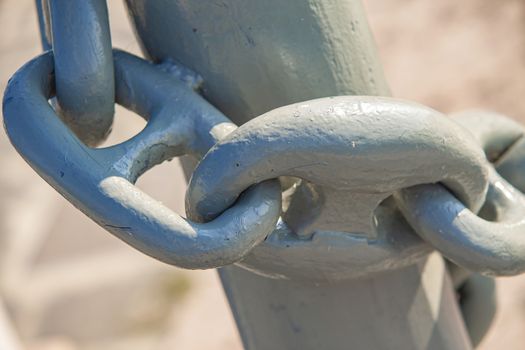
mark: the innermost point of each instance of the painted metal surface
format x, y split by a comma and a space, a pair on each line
297, 51
259, 55
352, 153
409, 308
510, 163
100, 181
478, 305
84, 77
492, 244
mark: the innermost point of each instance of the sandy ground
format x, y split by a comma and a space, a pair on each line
67, 284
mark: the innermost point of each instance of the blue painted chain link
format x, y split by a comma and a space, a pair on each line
84, 79
99, 181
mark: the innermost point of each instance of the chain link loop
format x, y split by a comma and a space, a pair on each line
352, 153
84, 77
100, 181
492, 243
366, 165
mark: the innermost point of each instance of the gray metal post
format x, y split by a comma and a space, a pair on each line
255, 56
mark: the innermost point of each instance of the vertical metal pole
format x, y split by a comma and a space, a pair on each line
413, 308
257, 55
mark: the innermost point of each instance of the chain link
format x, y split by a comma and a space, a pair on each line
492, 243
100, 181
352, 154
376, 174
79, 36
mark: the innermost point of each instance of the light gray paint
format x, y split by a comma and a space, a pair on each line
410, 308
494, 243
352, 153
255, 56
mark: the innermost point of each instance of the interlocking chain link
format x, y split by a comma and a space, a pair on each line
353, 153
100, 181
376, 174
84, 78
494, 243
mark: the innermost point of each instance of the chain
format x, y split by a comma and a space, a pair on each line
382, 181
493, 242
84, 80
352, 153
99, 181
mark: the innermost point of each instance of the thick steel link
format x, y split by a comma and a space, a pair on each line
359, 150
492, 243
84, 77
511, 164
100, 181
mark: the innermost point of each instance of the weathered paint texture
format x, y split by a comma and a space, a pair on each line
258, 55
352, 153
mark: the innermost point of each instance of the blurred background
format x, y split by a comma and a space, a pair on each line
67, 284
